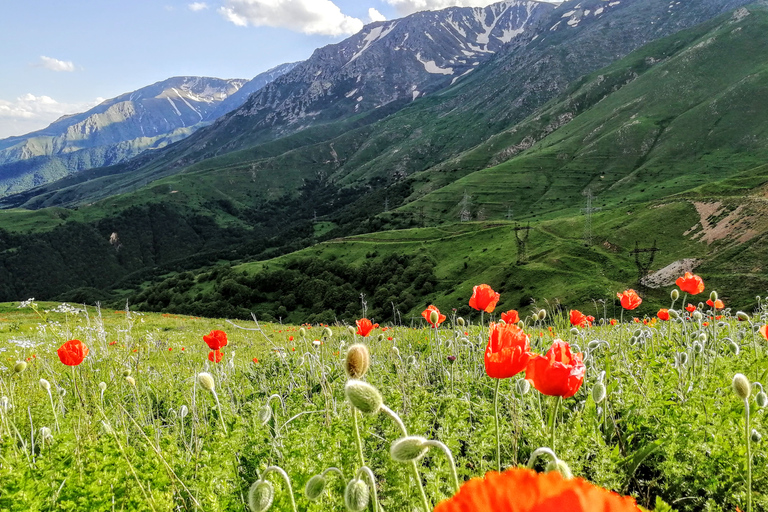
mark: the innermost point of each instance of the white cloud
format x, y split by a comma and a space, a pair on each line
307, 16
375, 15
29, 113
197, 6
56, 64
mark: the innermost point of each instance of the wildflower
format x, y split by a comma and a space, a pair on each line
256, 360
72, 352
507, 352
365, 326
690, 283
558, 373
614, 321
590, 319
432, 316
215, 356
578, 318
290, 338
524, 490
510, 317
484, 298
216, 340
663, 314
690, 308
716, 304
629, 299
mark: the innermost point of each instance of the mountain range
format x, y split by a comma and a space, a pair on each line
642, 111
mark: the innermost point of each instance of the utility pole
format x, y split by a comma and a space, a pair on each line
522, 242
588, 211
643, 268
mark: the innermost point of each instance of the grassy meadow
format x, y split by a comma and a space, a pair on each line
131, 427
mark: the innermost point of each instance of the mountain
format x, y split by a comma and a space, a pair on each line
121, 128
555, 112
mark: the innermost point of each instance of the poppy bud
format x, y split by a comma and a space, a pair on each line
713, 296
183, 411
574, 331
20, 366
434, 317
523, 387
356, 496
130, 380
703, 337
396, 351
45, 385
561, 467
521, 325
698, 347
542, 314
260, 496
742, 316
741, 386
408, 449
45, 433
126, 372
206, 381
673, 314
364, 397
358, 361
734, 348
315, 487
327, 332
697, 315
598, 392
675, 294
633, 340
762, 399
460, 322
682, 357
103, 386
756, 437
302, 332
637, 333
264, 414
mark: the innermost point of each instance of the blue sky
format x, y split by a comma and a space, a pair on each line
61, 57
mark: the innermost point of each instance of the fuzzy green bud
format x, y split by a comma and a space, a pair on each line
697, 315
315, 487
363, 397
522, 386
675, 294
574, 331
542, 314
130, 380
303, 332
260, 496
264, 414
742, 316
103, 386
206, 381
698, 348
561, 467
351, 329
673, 314
756, 437
598, 392
637, 333
682, 357
434, 317
408, 449
761, 399
327, 332
703, 337
20, 366
45, 385
356, 496
734, 347
126, 372
460, 322
713, 296
358, 361
741, 386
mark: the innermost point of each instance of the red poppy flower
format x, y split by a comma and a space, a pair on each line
216, 340
629, 299
614, 321
427, 314
636, 320
510, 317
764, 331
215, 356
690, 308
365, 326
290, 338
507, 352
524, 490
558, 373
484, 298
705, 324
72, 352
590, 319
578, 318
256, 360
663, 314
690, 283
718, 304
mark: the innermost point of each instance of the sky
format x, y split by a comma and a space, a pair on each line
62, 57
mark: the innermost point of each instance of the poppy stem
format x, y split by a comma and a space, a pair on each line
747, 434
496, 418
553, 421
358, 442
